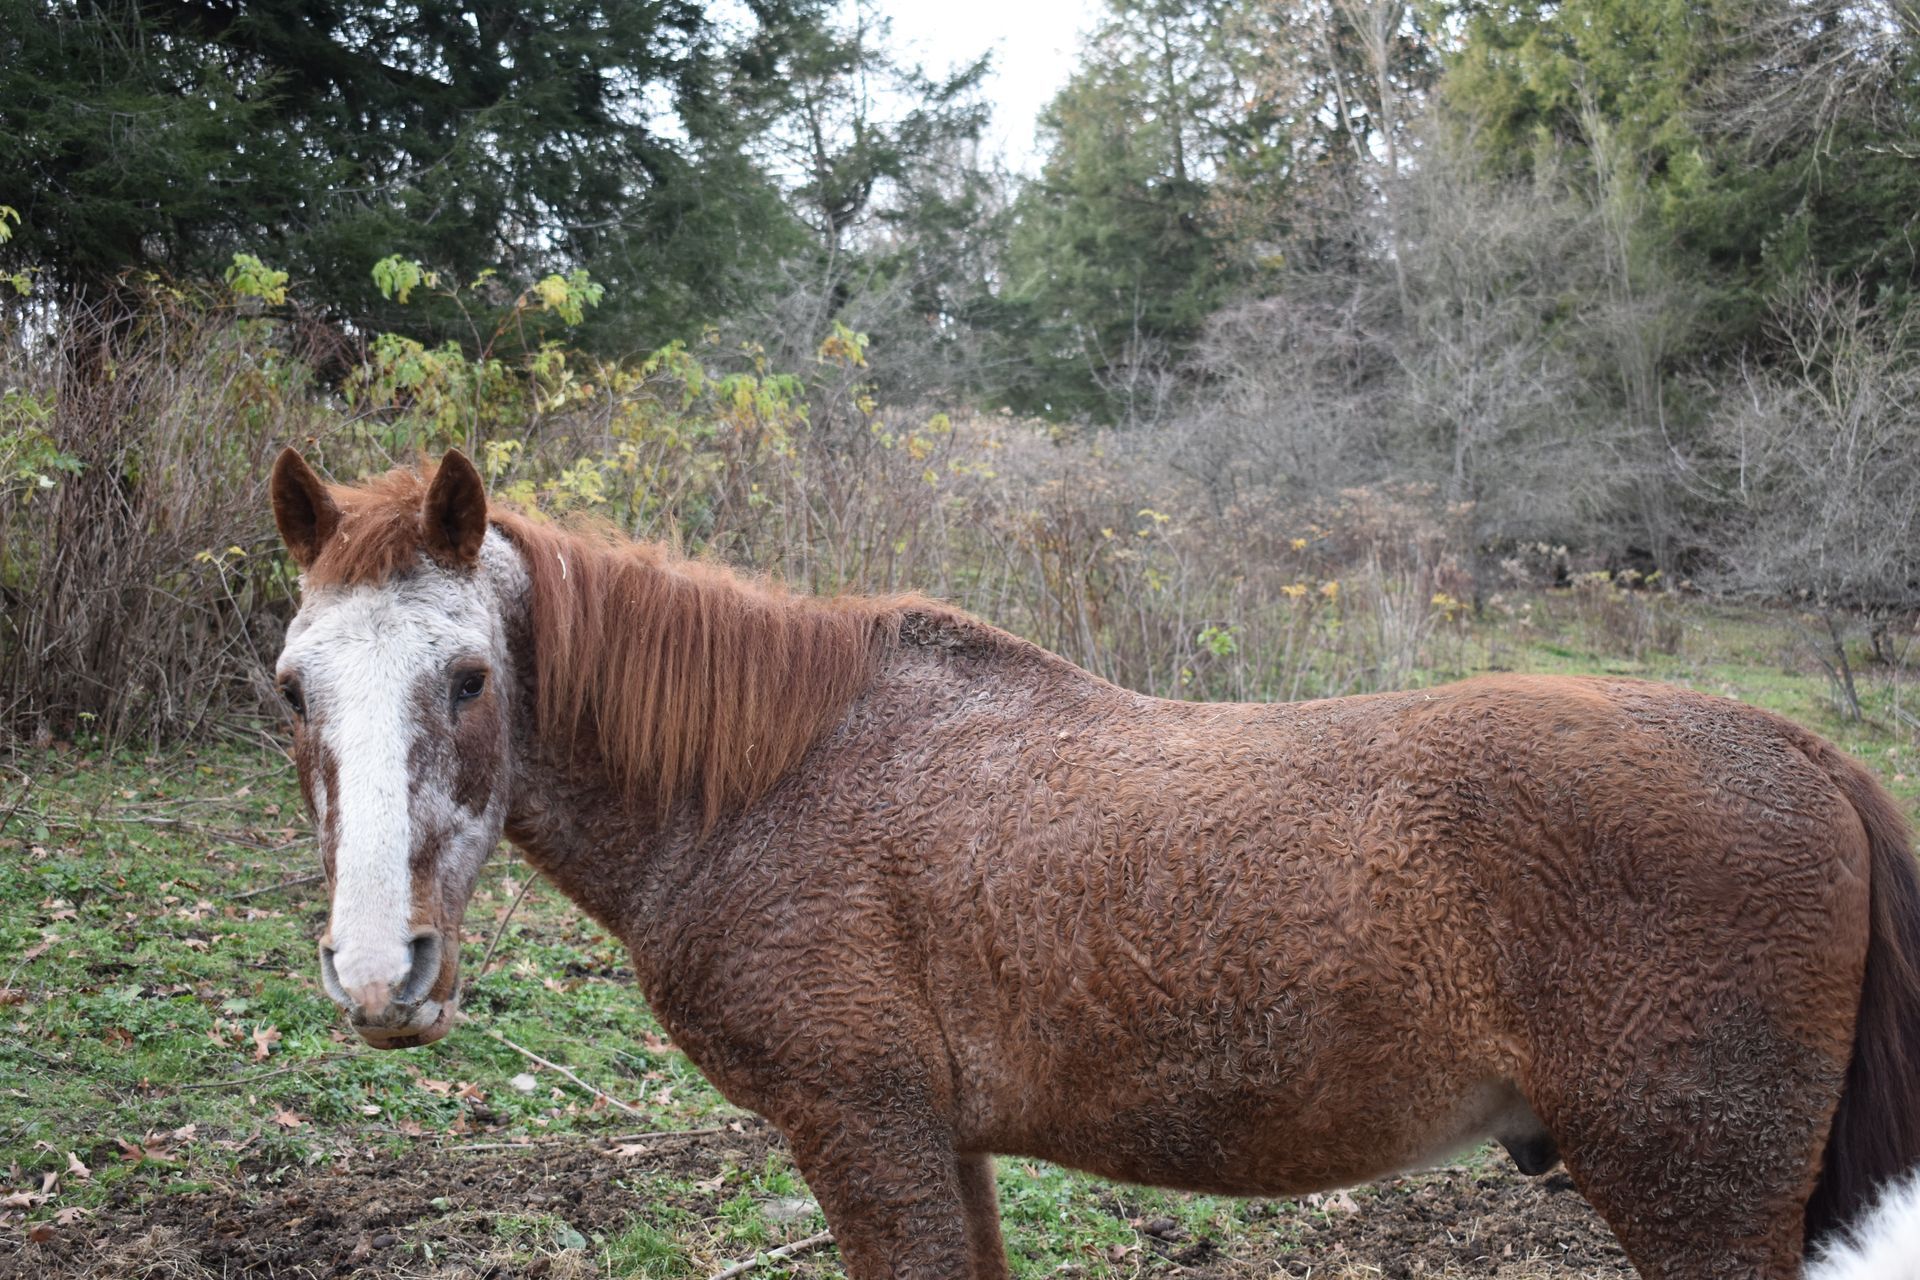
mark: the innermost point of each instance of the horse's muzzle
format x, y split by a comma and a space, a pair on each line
429, 1022
395, 1015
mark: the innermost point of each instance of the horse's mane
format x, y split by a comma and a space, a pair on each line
685, 676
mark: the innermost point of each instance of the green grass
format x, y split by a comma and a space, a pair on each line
154, 1023
649, 1250
170, 1033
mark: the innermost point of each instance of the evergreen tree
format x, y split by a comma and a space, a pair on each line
880, 159
1116, 257
165, 135
1769, 135
1202, 147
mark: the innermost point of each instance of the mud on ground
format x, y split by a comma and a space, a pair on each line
492, 1211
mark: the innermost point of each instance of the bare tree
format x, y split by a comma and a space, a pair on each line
1801, 67
1825, 457
1298, 399
1821, 458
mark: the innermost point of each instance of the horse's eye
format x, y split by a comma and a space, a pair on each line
291, 692
470, 686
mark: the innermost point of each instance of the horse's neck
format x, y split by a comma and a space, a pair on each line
569, 821
575, 825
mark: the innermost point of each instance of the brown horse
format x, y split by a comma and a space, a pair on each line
922, 893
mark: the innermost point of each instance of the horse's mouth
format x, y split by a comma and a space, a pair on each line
433, 1020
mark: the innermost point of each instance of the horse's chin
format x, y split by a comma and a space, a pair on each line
433, 1021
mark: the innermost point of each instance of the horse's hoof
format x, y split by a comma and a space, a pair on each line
1533, 1155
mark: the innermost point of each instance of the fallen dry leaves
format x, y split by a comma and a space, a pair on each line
264, 1038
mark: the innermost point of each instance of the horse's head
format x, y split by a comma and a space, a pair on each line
396, 672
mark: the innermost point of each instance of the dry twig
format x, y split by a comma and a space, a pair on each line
501, 929
564, 1139
666, 1133
275, 888
531, 1056
781, 1254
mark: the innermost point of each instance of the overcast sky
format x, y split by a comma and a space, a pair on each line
1033, 43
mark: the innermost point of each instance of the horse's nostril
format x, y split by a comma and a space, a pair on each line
422, 971
330, 979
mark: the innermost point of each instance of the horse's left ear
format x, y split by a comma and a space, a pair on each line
302, 507
455, 517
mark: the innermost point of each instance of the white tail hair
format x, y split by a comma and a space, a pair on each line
1882, 1245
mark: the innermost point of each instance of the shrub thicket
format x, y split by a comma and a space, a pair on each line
145, 591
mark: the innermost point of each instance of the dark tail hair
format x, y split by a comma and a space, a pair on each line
1876, 1132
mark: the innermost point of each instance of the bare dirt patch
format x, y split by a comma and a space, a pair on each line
545, 1211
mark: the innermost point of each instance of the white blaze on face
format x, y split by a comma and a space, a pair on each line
368, 660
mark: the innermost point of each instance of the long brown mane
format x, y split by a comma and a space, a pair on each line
684, 676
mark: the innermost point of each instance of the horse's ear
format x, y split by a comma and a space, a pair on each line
455, 518
302, 507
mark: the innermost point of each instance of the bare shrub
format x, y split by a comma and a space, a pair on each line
1490, 351
1626, 616
1820, 465
141, 578
1297, 401
145, 588
1405, 548
1819, 457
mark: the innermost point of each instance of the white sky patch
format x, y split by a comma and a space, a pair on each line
1035, 46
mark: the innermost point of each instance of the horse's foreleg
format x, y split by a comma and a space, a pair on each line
891, 1186
981, 1200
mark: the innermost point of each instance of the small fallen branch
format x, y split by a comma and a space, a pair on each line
664, 1133
531, 1056
172, 824
781, 1254
294, 883
565, 1139
501, 928
496, 1146
306, 1065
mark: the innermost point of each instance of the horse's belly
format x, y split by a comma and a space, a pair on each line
1276, 1140
1168, 1147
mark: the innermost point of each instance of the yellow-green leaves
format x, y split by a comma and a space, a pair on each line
570, 295
397, 277
249, 277
22, 280
844, 347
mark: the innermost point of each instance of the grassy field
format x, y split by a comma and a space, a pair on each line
174, 1086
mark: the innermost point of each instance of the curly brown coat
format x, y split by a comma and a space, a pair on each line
922, 893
